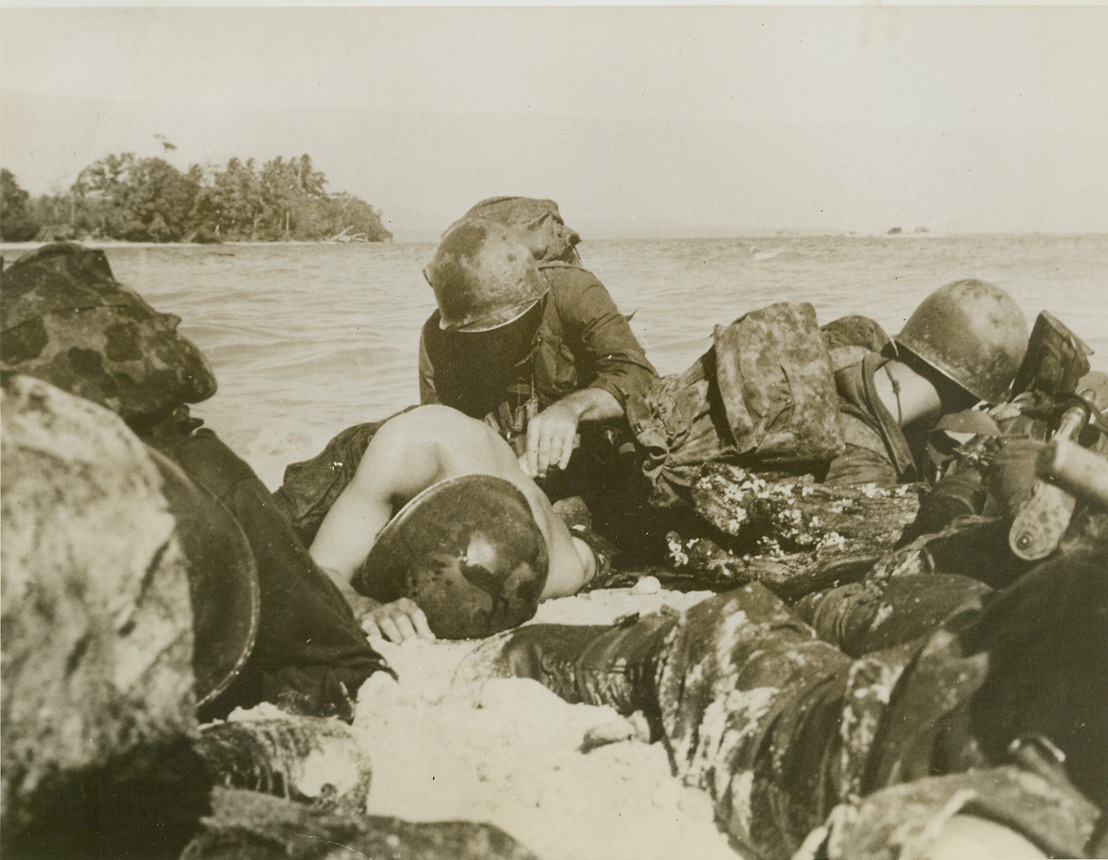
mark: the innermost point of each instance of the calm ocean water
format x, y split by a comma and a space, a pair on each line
308, 339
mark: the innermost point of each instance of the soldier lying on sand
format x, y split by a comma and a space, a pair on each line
103, 648
414, 453
873, 429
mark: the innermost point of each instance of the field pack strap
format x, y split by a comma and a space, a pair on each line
777, 385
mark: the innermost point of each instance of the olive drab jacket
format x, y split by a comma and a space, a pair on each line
579, 340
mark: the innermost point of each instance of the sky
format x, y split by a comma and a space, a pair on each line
638, 120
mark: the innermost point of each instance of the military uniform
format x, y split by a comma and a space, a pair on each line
579, 340
875, 448
310, 656
782, 728
774, 393
519, 325
575, 338
968, 336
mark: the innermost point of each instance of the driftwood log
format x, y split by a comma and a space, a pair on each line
249, 826
311, 760
793, 535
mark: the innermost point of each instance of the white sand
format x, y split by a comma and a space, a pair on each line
446, 745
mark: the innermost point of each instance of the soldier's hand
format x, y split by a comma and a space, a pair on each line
551, 438
397, 621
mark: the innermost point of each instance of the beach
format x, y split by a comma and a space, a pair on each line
309, 339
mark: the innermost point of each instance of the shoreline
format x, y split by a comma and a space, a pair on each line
104, 244
122, 243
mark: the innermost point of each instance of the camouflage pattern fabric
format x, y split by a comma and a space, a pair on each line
775, 724
764, 394
677, 429
537, 222
68, 321
247, 825
777, 387
904, 821
849, 338
862, 617
782, 728
65, 319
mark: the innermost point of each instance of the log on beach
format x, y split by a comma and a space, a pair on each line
249, 826
312, 760
97, 635
793, 535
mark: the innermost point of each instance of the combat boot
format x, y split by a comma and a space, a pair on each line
614, 665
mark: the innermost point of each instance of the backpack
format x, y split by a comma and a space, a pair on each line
777, 386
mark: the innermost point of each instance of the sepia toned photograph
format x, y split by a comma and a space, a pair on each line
574, 432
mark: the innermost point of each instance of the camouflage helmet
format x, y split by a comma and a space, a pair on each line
536, 222
973, 333
483, 277
468, 551
66, 319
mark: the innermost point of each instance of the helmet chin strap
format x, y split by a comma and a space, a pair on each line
907, 394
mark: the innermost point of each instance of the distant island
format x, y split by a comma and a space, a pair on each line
133, 199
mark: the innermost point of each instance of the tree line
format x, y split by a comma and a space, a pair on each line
149, 200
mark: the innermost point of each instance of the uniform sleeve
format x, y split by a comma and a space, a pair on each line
603, 338
858, 465
427, 391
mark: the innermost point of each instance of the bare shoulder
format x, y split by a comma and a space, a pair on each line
433, 420
461, 444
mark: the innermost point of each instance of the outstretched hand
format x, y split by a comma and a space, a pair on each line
397, 621
551, 438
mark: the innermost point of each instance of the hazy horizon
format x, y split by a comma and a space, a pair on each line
639, 121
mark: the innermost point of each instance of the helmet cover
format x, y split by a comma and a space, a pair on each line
537, 222
66, 319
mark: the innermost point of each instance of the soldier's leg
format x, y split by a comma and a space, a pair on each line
748, 699
610, 665
868, 616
